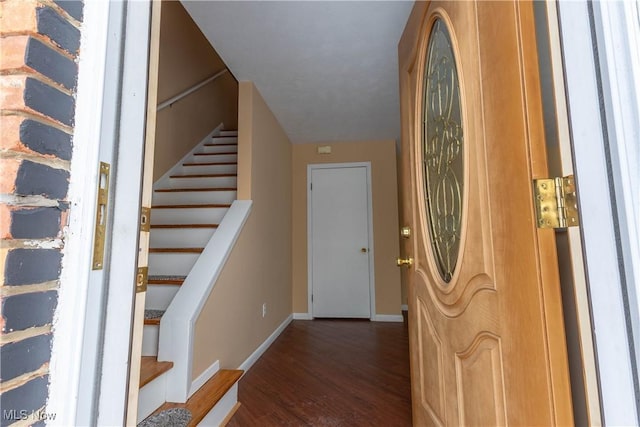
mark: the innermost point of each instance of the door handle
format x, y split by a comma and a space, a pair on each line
364, 250
404, 262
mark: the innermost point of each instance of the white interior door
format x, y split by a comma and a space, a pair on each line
339, 218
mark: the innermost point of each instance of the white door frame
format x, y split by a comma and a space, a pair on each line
106, 121
600, 43
372, 282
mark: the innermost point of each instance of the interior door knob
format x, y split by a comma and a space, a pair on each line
363, 250
404, 262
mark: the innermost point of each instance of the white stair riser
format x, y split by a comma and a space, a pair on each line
159, 296
229, 133
221, 410
210, 182
223, 139
193, 197
214, 158
180, 237
150, 335
218, 148
171, 264
151, 396
187, 215
210, 169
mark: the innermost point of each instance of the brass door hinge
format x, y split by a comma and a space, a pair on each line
556, 202
145, 219
142, 278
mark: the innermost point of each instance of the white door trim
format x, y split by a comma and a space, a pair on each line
68, 368
113, 122
372, 290
588, 73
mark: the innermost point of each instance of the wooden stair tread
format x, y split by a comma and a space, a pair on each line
215, 154
226, 144
182, 250
151, 369
155, 321
171, 190
166, 280
184, 225
210, 164
212, 175
191, 206
206, 398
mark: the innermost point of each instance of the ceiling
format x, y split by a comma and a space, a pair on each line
327, 69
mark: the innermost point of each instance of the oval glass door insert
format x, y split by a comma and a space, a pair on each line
442, 150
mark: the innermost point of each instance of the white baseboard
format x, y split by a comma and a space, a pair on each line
404, 307
247, 364
204, 377
387, 318
302, 316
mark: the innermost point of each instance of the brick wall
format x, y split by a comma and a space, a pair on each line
39, 42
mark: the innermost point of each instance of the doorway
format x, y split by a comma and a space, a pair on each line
340, 240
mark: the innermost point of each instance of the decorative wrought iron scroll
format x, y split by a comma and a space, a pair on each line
442, 145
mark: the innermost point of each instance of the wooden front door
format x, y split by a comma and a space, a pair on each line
486, 328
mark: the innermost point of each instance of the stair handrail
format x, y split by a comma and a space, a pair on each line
189, 91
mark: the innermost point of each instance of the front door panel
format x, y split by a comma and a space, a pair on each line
486, 330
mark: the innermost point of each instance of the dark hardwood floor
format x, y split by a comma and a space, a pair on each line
330, 373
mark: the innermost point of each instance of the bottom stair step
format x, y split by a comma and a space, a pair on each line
207, 397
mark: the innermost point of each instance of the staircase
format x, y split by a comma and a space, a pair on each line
188, 205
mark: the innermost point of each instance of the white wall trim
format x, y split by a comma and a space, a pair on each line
302, 316
248, 363
66, 370
116, 357
388, 318
372, 281
618, 395
204, 377
177, 326
163, 181
404, 307
618, 35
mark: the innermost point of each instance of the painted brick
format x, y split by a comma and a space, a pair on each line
11, 92
50, 63
72, 7
24, 356
49, 101
46, 139
8, 172
38, 223
28, 266
65, 35
28, 398
18, 16
5, 228
10, 133
13, 49
28, 310
37, 179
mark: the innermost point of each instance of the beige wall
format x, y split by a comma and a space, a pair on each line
187, 58
382, 155
258, 271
